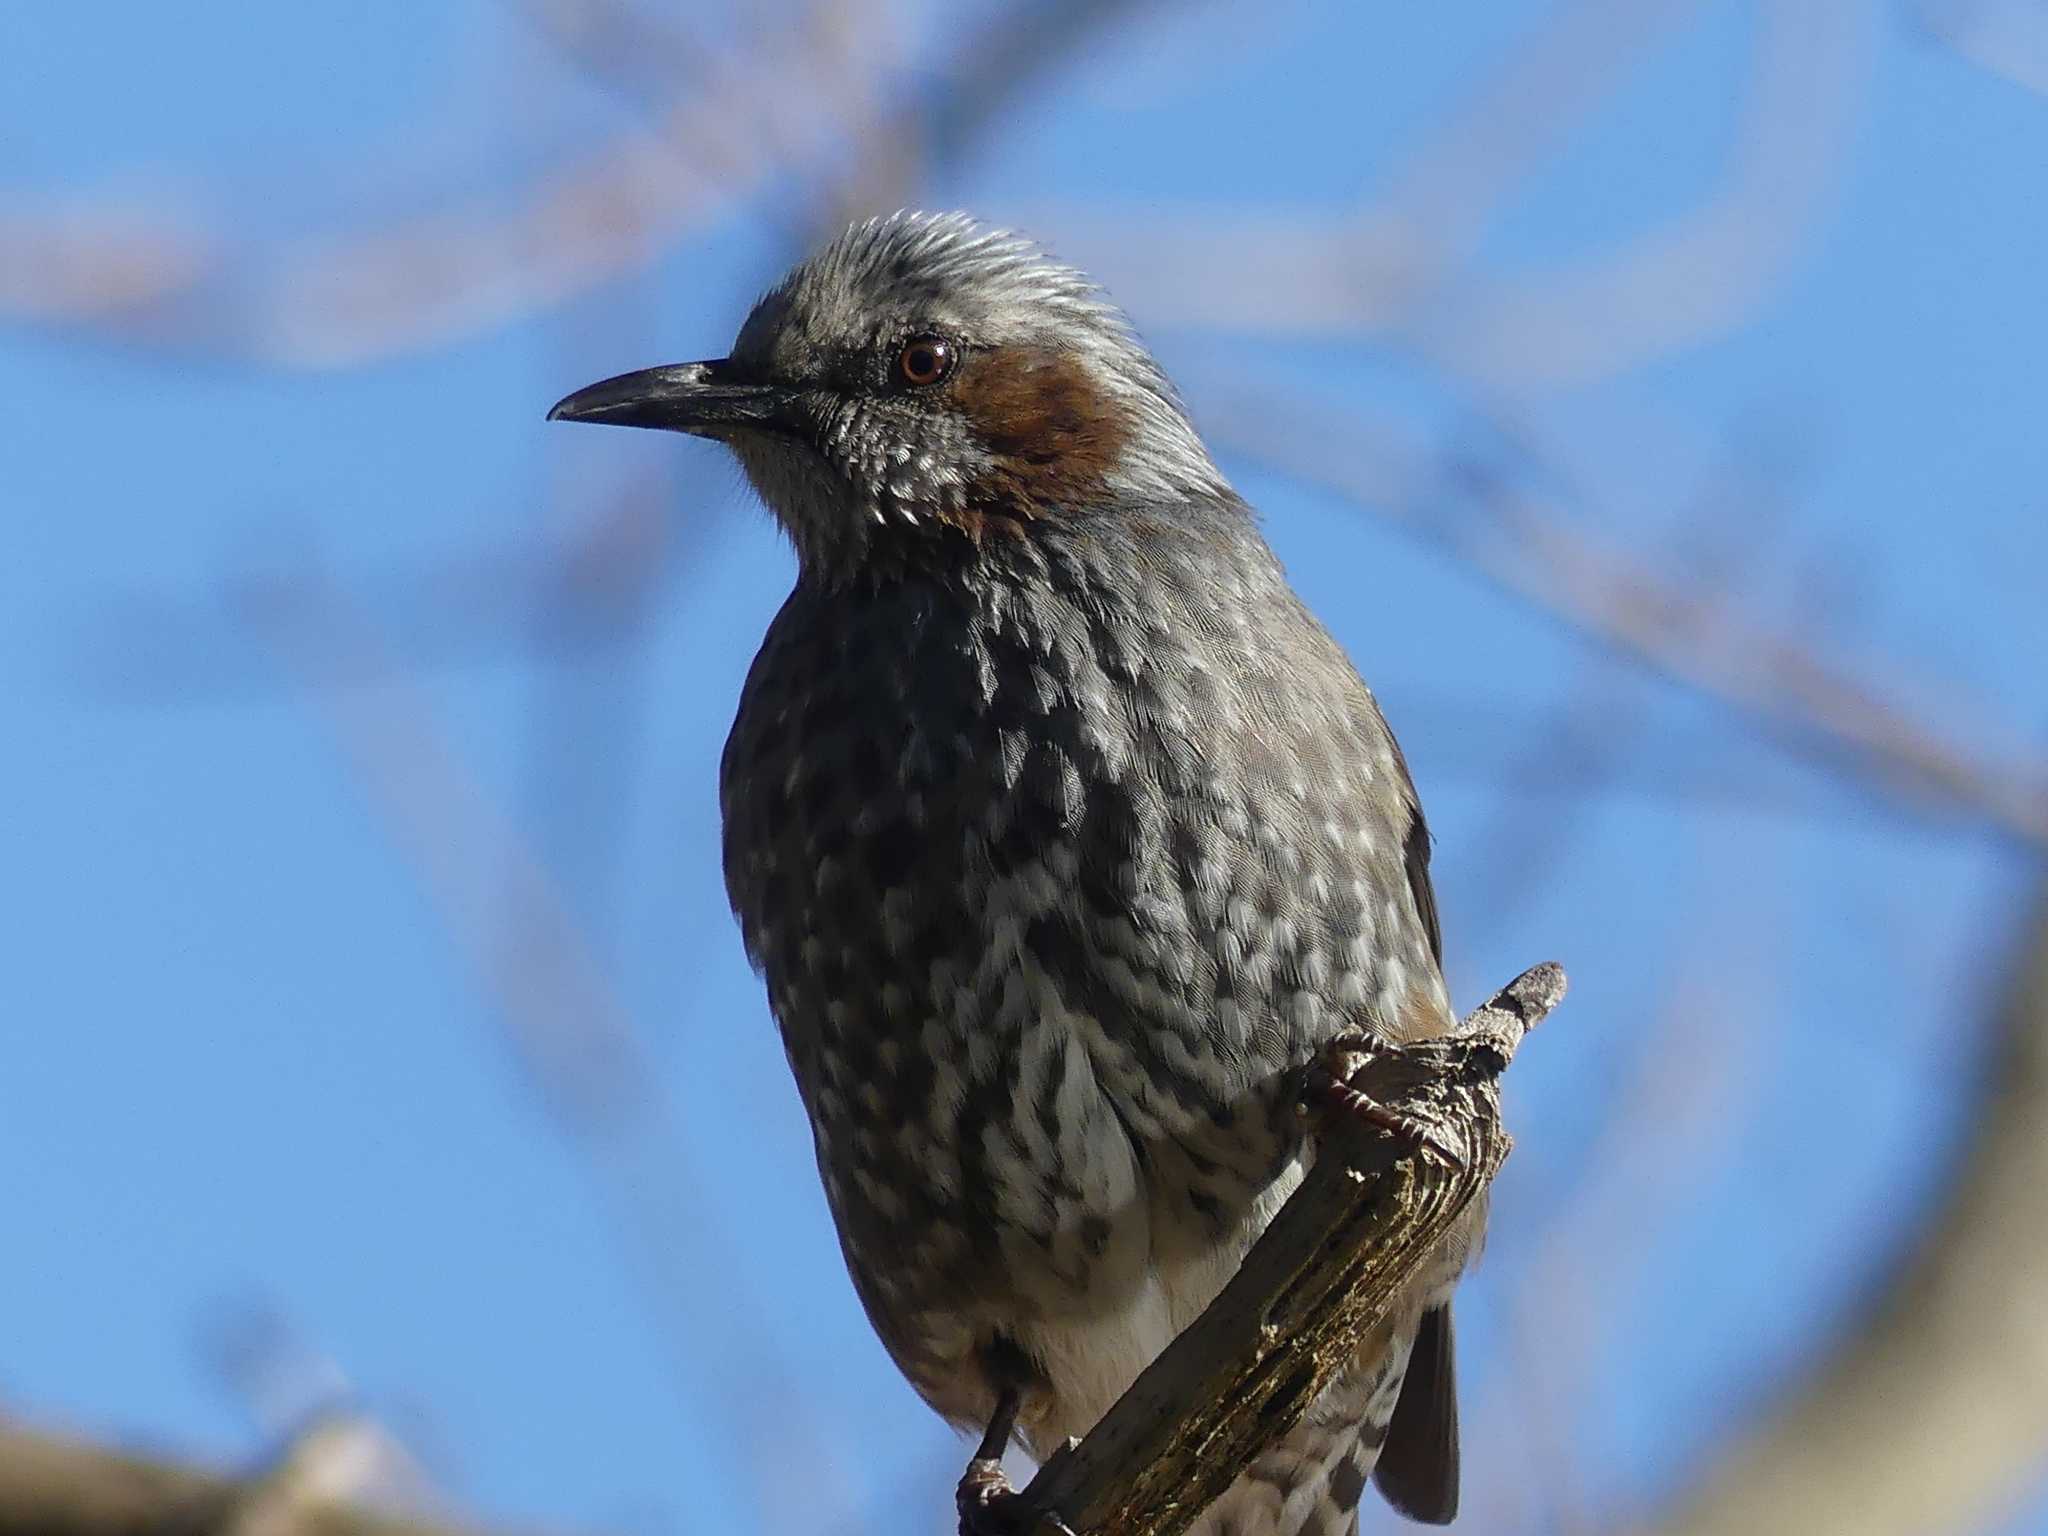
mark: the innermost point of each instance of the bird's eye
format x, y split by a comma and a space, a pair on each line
924, 362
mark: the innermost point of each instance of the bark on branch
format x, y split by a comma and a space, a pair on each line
1340, 1255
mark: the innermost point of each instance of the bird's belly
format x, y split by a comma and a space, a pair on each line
1090, 1358
1041, 1188
1024, 1127
1008, 1183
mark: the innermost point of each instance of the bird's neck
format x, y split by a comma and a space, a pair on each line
1096, 546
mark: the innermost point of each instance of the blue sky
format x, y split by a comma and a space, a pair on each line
251, 1058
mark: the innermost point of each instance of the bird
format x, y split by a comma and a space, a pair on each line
1064, 838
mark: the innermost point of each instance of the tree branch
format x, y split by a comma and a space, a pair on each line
1343, 1252
54, 1486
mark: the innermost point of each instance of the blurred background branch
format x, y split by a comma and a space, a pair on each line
1948, 1368
53, 1486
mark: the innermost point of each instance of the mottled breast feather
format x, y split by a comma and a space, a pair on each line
1060, 861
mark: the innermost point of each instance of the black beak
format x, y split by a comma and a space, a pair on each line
688, 397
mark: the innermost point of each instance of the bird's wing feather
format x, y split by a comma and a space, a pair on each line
1416, 852
1417, 1470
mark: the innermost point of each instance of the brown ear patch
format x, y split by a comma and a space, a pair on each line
1053, 432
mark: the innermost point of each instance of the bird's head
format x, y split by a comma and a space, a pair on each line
925, 378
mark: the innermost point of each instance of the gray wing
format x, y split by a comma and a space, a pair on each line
1415, 850
1249, 873
1418, 1467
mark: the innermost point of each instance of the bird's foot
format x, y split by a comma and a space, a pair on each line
989, 1506
1335, 1079
986, 1500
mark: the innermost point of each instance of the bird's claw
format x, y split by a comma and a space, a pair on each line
981, 1498
990, 1506
1331, 1081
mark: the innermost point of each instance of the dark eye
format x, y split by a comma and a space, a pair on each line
924, 361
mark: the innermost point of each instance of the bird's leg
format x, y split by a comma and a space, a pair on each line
1332, 1080
988, 1505
983, 1487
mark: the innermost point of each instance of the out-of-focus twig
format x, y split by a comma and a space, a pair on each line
568, 1027
1682, 1090
421, 281
472, 863
80, 262
1446, 194
1525, 546
2007, 37
55, 1486
1725, 533
1932, 1416
566, 593
1718, 263
1369, 271
1403, 268
301, 1398
652, 61
730, 125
